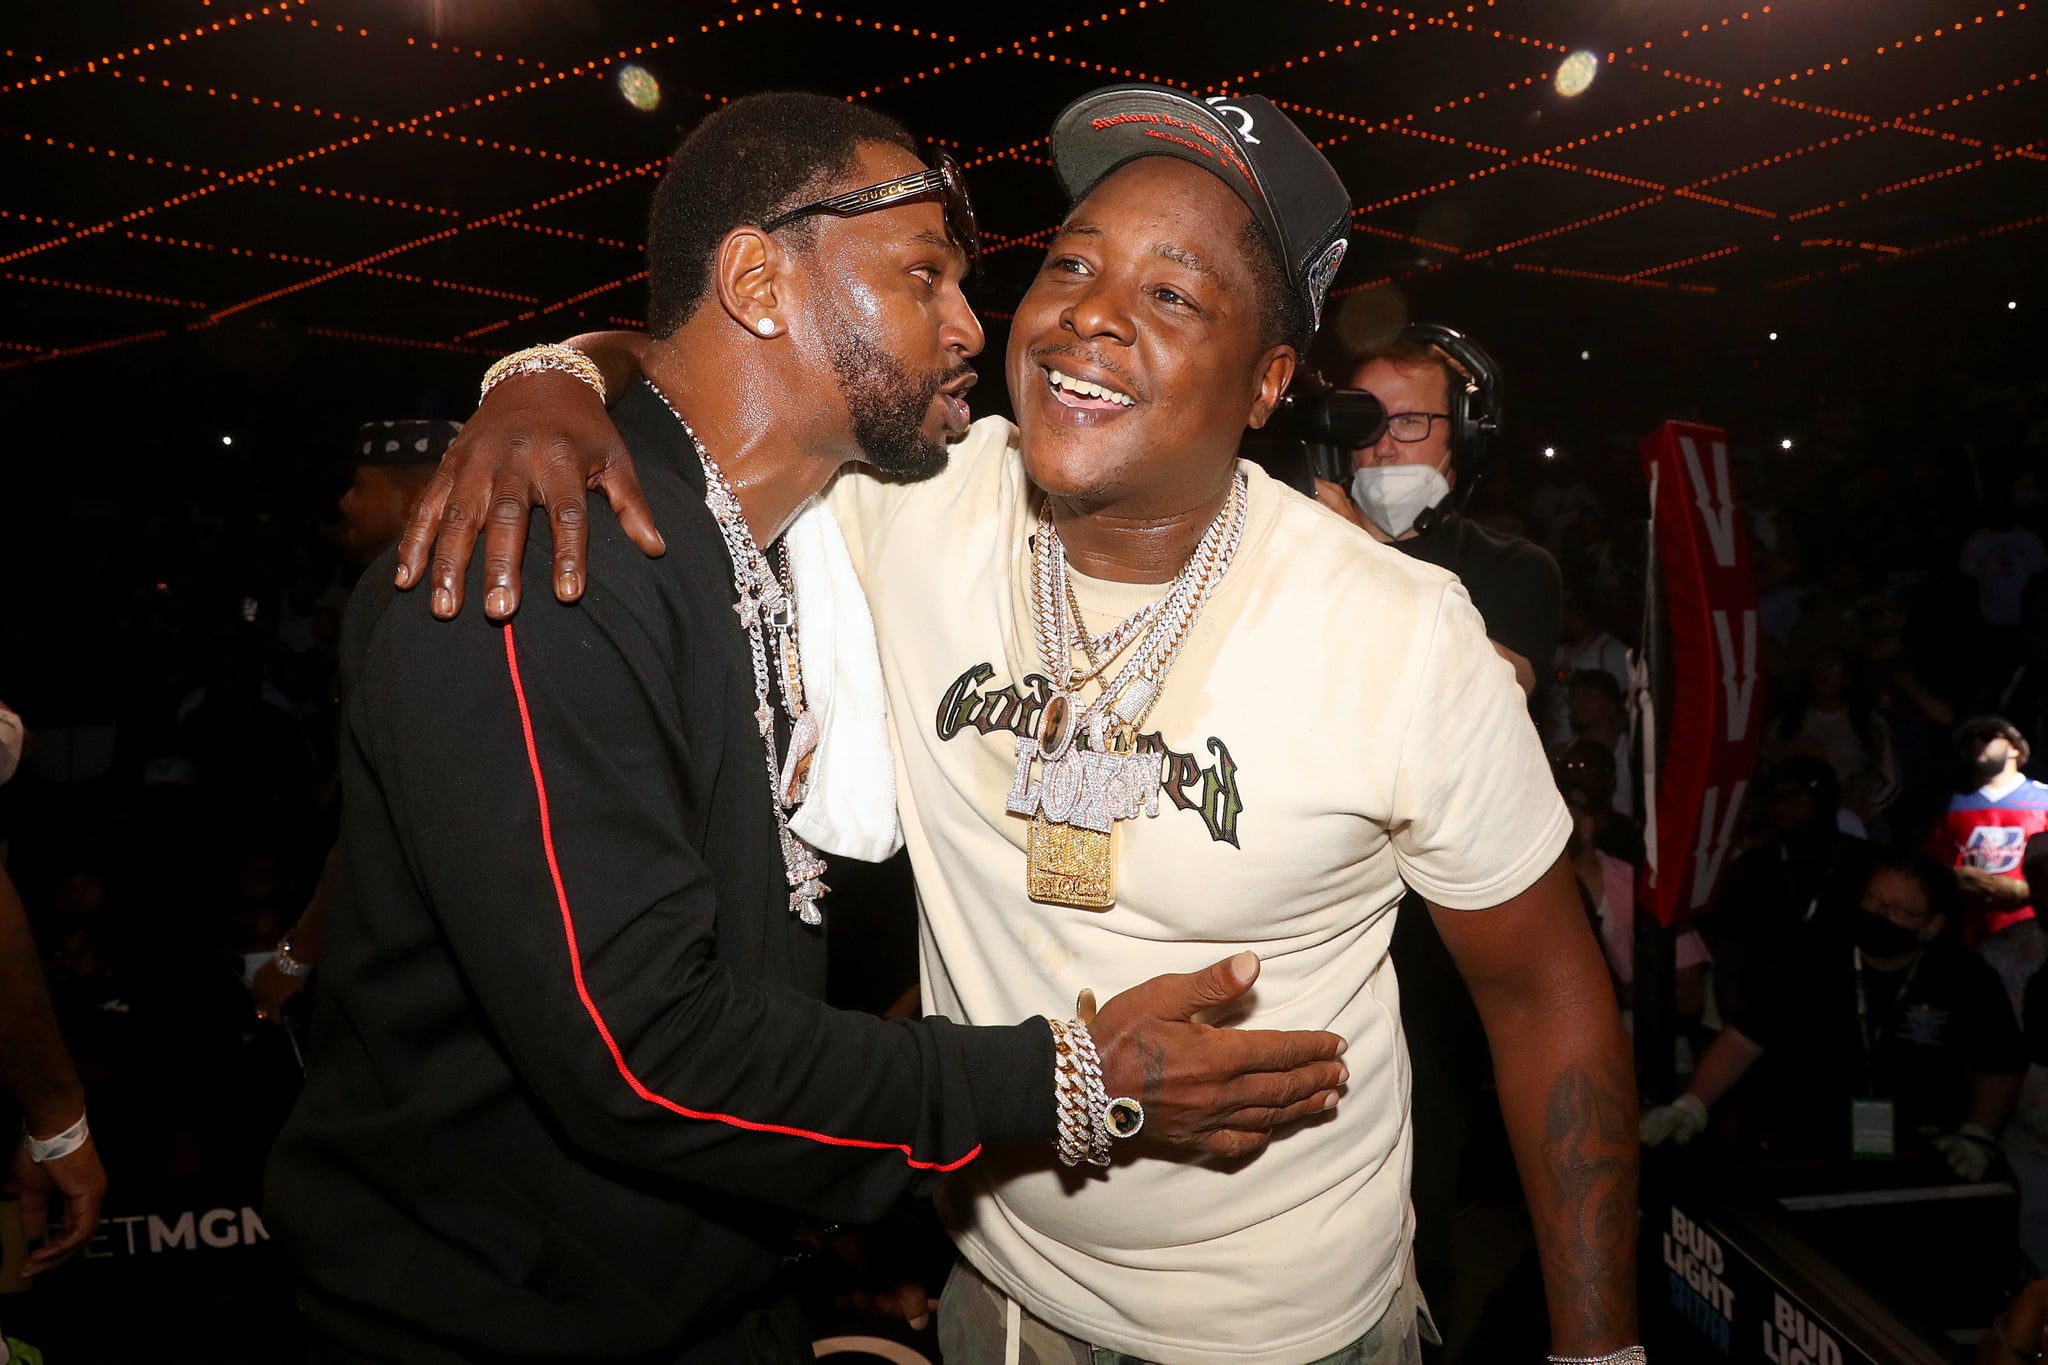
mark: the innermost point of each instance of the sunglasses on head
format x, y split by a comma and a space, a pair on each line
942, 182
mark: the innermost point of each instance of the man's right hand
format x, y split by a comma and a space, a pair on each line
80, 1181
538, 440
1680, 1121
273, 990
1220, 1090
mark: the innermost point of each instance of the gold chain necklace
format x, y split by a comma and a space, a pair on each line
1076, 803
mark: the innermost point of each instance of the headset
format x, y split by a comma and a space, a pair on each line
1474, 397
1333, 422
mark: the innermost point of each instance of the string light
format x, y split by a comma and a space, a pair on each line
1557, 159
1910, 182
108, 291
1908, 253
1009, 153
1605, 277
404, 278
261, 172
193, 244
410, 343
1378, 231
1013, 45
378, 200
569, 235
650, 168
202, 31
1701, 258
88, 348
557, 306
1559, 231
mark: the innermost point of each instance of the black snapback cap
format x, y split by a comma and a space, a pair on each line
1290, 187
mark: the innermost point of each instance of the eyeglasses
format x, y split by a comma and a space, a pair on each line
1410, 427
942, 182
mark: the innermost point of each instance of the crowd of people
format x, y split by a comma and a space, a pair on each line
168, 792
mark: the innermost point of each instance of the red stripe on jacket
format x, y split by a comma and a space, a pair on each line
547, 838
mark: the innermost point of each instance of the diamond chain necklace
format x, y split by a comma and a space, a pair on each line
1126, 699
766, 604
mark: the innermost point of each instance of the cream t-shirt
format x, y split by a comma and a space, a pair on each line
1336, 725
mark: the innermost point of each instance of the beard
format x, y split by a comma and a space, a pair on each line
889, 403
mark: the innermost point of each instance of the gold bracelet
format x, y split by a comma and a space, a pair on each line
534, 359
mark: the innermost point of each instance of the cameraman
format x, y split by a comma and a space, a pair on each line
1442, 396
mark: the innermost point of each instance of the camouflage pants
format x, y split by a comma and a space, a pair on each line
974, 1326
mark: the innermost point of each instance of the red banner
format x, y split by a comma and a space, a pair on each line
1714, 713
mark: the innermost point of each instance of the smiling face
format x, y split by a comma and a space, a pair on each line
1136, 358
878, 301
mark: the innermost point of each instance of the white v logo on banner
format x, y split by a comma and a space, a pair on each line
1717, 832
1717, 508
1738, 670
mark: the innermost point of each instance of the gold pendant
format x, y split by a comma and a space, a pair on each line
1067, 865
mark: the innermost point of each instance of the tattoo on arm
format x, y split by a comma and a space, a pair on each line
1155, 1070
1588, 1221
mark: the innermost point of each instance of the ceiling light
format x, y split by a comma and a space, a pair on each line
1785, 444
1774, 336
227, 440
1585, 355
1575, 73
639, 87
1550, 452
2011, 304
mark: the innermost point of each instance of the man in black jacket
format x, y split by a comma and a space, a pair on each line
570, 1059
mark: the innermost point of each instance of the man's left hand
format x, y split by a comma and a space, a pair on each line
1339, 501
1991, 886
77, 1179
1969, 1151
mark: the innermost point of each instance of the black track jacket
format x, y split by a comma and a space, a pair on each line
570, 1072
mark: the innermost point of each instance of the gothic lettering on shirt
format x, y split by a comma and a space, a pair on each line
1210, 791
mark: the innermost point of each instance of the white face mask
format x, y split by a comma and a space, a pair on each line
1393, 495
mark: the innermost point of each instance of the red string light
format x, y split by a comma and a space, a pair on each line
249, 251
649, 168
429, 281
1702, 257
202, 31
1909, 253
1560, 230
87, 349
410, 343
131, 295
569, 235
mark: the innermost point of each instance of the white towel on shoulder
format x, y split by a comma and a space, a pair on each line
851, 809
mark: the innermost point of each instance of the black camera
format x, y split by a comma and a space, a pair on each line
1314, 430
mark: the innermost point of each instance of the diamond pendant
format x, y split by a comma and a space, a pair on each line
1068, 865
796, 767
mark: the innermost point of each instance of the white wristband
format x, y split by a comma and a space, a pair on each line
58, 1147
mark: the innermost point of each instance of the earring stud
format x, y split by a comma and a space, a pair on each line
766, 327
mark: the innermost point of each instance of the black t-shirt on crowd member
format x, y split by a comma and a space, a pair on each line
1514, 583
1933, 1028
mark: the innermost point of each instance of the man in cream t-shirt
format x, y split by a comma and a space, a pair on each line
1310, 769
